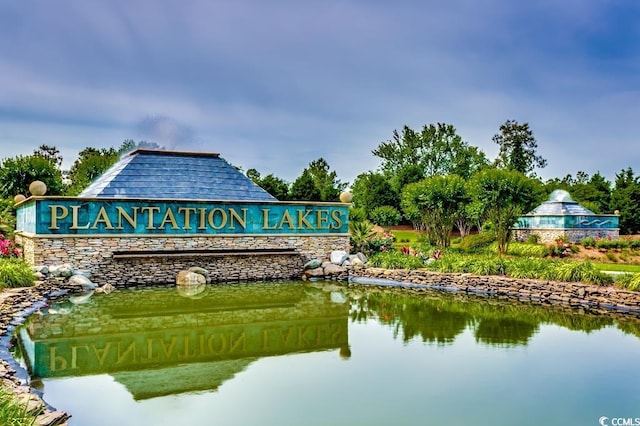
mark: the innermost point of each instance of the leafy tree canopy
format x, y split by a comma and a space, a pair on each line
518, 148
17, 173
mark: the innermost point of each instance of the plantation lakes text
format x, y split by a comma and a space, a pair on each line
101, 216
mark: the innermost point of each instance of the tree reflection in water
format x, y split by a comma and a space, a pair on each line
439, 318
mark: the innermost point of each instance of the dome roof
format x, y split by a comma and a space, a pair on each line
561, 203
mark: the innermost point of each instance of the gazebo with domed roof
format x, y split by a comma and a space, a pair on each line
562, 217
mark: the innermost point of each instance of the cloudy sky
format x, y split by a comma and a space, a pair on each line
274, 85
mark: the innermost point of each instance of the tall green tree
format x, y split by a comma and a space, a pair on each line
17, 173
325, 183
372, 190
518, 148
270, 183
90, 164
304, 188
435, 204
436, 149
50, 153
504, 195
626, 198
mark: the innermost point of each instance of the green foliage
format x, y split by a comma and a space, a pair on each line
526, 250
360, 231
578, 271
588, 242
628, 281
317, 183
371, 190
14, 413
16, 174
378, 242
7, 217
270, 183
15, 272
473, 242
520, 268
396, 260
435, 150
434, 204
518, 148
90, 164
504, 195
626, 198
533, 239
385, 216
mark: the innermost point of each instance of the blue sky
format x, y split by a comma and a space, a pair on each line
274, 85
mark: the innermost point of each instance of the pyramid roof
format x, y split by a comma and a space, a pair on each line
176, 175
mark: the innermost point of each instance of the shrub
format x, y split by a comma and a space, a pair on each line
15, 273
588, 242
527, 268
396, 260
629, 281
7, 248
473, 242
385, 216
533, 239
379, 242
526, 250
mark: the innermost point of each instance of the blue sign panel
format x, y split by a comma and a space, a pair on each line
101, 216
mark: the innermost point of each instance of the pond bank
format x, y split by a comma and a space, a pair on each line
607, 298
16, 304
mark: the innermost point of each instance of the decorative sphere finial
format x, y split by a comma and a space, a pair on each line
19, 198
37, 188
346, 197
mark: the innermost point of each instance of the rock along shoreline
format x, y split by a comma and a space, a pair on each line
18, 303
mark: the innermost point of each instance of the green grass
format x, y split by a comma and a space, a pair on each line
617, 267
15, 272
12, 413
405, 237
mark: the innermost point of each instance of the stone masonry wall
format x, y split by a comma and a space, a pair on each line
573, 235
95, 254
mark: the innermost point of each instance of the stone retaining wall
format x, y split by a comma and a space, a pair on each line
573, 294
95, 255
572, 235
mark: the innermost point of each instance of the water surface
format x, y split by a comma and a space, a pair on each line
319, 353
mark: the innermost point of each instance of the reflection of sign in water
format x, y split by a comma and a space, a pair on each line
157, 342
94, 355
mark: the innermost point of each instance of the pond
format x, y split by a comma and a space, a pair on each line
292, 353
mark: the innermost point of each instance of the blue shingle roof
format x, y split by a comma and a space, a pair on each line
175, 175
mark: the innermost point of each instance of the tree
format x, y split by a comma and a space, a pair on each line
371, 190
517, 148
504, 195
326, 180
436, 150
270, 183
626, 198
50, 153
90, 164
385, 216
275, 186
17, 173
317, 183
304, 188
435, 203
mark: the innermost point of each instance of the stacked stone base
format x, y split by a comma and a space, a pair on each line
95, 254
572, 235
